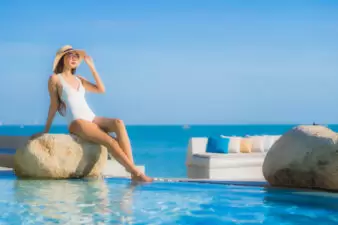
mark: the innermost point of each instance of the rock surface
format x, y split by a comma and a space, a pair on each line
304, 157
59, 156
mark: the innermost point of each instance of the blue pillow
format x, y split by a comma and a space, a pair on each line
218, 144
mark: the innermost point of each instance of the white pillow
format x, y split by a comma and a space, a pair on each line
270, 140
234, 144
257, 143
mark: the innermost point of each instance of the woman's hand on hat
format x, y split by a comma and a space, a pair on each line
99, 85
89, 61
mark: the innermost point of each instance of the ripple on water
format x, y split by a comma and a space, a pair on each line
116, 201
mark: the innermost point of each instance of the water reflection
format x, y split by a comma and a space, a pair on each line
115, 201
73, 201
291, 206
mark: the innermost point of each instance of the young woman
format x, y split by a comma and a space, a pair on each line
67, 96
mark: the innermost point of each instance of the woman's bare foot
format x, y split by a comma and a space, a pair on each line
141, 178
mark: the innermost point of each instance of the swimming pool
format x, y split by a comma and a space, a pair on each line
112, 201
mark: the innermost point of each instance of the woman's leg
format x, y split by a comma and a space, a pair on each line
117, 126
91, 132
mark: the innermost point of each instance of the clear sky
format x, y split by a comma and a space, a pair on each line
177, 62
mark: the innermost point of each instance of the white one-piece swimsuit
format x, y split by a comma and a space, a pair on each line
76, 104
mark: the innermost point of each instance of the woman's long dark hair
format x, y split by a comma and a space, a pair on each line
59, 69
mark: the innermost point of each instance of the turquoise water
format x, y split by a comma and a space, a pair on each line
116, 201
162, 149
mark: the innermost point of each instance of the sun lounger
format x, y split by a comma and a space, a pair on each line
242, 160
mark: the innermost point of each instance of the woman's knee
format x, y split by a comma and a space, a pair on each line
117, 123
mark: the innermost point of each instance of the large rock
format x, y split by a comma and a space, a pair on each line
59, 156
304, 157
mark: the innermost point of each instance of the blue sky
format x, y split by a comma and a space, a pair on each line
177, 62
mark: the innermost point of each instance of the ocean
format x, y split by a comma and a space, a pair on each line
162, 149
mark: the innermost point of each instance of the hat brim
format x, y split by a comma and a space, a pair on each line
81, 53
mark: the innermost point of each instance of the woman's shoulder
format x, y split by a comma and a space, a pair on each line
53, 79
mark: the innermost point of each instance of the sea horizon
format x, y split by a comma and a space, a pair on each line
154, 144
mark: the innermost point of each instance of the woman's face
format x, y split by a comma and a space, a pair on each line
71, 60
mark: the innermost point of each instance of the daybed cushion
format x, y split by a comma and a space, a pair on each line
217, 144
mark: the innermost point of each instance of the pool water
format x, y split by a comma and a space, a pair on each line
116, 201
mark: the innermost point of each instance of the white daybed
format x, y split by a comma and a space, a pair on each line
227, 166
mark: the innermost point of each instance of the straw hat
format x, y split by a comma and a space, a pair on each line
65, 49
